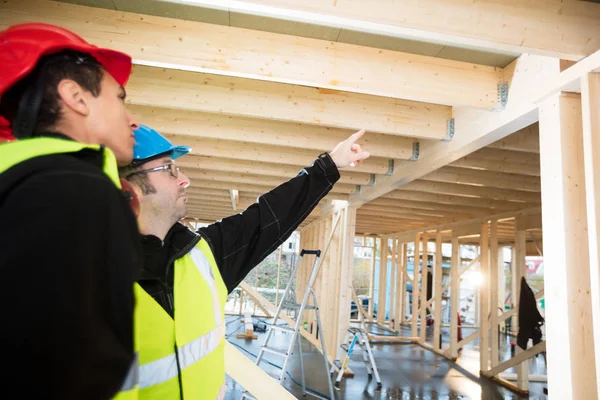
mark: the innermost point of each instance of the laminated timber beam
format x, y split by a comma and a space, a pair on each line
532, 79
208, 93
267, 153
200, 184
525, 140
457, 189
505, 161
567, 30
485, 178
201, 47
195, 164
268, 131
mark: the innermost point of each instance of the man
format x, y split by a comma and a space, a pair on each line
187, 275
70, 246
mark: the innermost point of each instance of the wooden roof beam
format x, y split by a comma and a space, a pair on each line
201, 47
567, 30
268, 131
485, 178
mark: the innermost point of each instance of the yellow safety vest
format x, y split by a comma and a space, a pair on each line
13, 153
189, 347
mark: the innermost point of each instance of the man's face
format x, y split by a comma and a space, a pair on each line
169, 197
109, 122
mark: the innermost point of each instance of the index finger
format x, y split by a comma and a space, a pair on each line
357, 135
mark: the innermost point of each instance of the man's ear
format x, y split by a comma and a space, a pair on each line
73, 96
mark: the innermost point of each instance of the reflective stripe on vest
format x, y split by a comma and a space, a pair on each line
198, 329
13, 153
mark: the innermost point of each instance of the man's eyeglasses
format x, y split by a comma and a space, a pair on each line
172, 168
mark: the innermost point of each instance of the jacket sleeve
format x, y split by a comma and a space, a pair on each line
242, 241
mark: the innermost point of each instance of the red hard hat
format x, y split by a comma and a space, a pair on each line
21, 46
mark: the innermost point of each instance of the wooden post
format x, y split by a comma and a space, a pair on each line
519, 263
484, 286
514, 288
383, 256
493, 287
424, 278
454, 297
415, 285
571, 359
404, 281
501, 283
372, 287
393, 282
347, 268
278, 274
401, 285
590, 99
437, 290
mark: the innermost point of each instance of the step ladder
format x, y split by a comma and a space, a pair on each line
288, 301
356, 336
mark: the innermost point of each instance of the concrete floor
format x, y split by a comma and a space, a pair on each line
407, 371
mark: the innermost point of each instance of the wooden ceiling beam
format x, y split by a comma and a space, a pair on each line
452, 200
267, 131
567, 30
511, 162
224, 50
474, 191
337, 192
480, 178
249, 98
267, 153
196, 164
525, 140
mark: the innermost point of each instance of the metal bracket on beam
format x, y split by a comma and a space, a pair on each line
502, 96
357, 191
391, 168
372, 182
415, 154
449, 130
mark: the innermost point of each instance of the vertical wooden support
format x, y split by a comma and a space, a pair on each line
437, 290
493, 287
484, 309
404, 281
415, 285
514, 288
400, 284
383, 256
519, 263
393, 282
454, 296
278, 274
372, 287
424, 279
571, 359
501, 284
347, 268
590, 102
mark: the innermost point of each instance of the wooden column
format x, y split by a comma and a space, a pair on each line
393, 282
590, 99
514, 288
501, 282
415, 285
571, 360
493, 287
383, 256
454, 297
437, 290
404, 281
424, 279
372, 287
484, 270
519, 263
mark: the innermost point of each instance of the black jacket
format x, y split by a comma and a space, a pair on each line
530, 319
242, 241
69, 251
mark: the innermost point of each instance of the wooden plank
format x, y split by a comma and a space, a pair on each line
260, 384
437, 290
505, 161
485, 178
424, 278
524, 140
567, 31
493, 288
590, 107
381, 303
484, 307
268, 130
454, 297
571, 371
518, 359
527, 222
415, 285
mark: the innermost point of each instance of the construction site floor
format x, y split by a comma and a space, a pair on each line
408, 371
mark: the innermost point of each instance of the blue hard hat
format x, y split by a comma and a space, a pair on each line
149, 144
